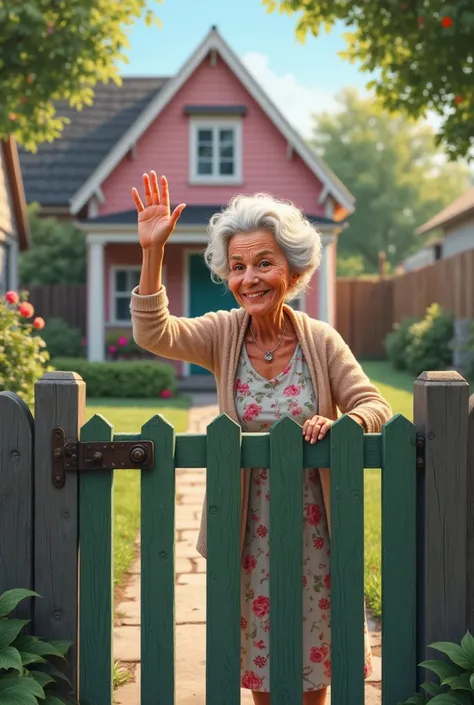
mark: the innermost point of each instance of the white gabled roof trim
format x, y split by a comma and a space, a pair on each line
213, 41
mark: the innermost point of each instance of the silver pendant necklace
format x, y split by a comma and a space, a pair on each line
268, 354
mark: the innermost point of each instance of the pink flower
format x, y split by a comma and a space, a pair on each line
296, 411
243, 623
292, 390
318, 542
252, 411
324, 603
260, 661
259, 644
262, 531
39, 323
261, 606
327, 581
26, 310
12, 297
327, 668
122, 341
112, 349
83, 342
313, 514
249, 563
318, 654
251, 681
166, 394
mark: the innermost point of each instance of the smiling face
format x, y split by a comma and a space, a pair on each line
259, 275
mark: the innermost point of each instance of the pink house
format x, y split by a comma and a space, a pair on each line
214, 132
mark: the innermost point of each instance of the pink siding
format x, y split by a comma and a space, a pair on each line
312, 297
165, 148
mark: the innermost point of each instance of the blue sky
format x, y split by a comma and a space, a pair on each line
301, 78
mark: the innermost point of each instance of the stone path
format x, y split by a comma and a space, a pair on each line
190, 596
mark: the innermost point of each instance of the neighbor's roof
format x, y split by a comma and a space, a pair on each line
58, 169
461, 207
192, 215
15, 183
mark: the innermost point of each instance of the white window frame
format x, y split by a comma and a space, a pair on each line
221, 123
113, 320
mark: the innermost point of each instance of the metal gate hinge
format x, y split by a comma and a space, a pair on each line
80, 456
420, 452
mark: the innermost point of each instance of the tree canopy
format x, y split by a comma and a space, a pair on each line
422, 53
53, 50
398, 176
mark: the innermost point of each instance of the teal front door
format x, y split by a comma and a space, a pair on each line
205, 296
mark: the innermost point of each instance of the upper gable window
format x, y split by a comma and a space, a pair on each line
215, 151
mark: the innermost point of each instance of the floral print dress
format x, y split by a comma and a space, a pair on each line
260, 403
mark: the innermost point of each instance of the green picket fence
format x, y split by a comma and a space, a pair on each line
223, 451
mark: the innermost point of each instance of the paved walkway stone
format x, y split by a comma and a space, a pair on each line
190, 595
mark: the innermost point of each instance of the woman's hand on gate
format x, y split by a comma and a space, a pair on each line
155, 222
315, 429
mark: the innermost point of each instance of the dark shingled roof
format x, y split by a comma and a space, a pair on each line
192, 215
58, 169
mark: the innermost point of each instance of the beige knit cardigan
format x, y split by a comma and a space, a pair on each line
214, 341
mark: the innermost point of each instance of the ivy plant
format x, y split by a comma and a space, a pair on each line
455, 674
30, 671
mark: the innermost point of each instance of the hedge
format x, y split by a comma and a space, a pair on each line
138, 379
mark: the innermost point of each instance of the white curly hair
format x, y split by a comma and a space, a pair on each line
296, 236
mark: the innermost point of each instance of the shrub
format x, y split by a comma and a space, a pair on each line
455, 674
120, 345
139, 380
29, 670
62, 340
431, 341
23, 355
397, 341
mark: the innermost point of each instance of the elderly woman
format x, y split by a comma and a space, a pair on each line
269, 361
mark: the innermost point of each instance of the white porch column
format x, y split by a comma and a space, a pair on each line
326, 282
95, 302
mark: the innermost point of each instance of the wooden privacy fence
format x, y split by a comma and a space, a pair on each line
60, 498
367, 309
66, 301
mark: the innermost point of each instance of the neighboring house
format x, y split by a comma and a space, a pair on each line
214, 132
14, 231
456, 225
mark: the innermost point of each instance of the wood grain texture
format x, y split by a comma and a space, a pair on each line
286, 563
157, 567
60, 399
347, 562
398, 560
223, 562
255, 450
96, 574
16, 498
441, 416
470, 517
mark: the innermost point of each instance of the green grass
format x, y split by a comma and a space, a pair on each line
128, 416
397, 389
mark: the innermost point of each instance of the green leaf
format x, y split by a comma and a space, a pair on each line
9, 630
34, 645
27, 658
471, 680
458, 682
42, 678
61, 646
53, 700
467, 645
16, 690
431, 688
441, 668
57, 674
10, 658
453, 698
454, 652
10, 599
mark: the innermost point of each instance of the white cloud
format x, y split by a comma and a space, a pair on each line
296, 101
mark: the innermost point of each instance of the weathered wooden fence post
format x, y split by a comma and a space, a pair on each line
441, 417
470, 517
59, 401
16, 498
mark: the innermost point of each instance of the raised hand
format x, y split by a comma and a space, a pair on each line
155, 223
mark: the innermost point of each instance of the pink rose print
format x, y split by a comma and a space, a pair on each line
292, 390
249, 563
286, 370
324, 603
327, 668
243, 623
259, 644
318, 654
313, 514
305, 581
262, 531
251, 681
252, 411
296, 411
318, 542
260, 661
327, 581
254, 517
261, 606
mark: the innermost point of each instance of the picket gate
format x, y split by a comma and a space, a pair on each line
74, 532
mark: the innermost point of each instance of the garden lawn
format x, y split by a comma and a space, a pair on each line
397, 388
128, 416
